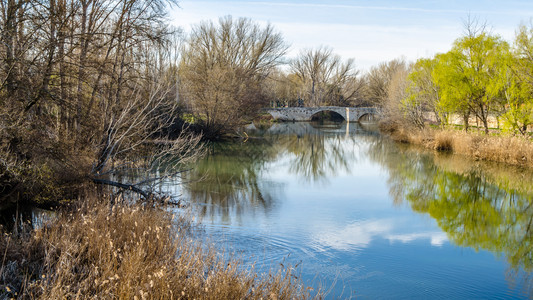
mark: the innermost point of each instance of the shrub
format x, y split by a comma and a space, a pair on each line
443, 141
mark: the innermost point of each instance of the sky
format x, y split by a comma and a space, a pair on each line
368, 31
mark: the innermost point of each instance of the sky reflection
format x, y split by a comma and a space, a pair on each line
383, 218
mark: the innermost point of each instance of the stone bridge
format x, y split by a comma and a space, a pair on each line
350, 114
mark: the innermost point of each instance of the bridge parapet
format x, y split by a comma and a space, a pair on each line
350, 114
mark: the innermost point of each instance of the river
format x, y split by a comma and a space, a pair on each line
360, 216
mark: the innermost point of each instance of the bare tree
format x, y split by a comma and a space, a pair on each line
282, 89
326, 78
377, 81
85, 85
222, 70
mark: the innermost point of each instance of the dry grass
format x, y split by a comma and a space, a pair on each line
128, 252
394, 130
508, 149
443, 141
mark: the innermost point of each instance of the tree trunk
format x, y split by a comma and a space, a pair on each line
8, 41
62, 127
43, 90
84, 42
466, 117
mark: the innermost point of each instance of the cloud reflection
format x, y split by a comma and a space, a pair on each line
359, 235
436, 238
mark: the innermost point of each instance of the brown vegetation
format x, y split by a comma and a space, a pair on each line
508, 149
383, 83
325, 79
83, 86
223, 68
128, 252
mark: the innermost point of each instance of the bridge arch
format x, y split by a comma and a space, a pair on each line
328, 114
367, 118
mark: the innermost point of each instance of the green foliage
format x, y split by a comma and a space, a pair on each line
482, 206
481, 76
189, 118
468, 75
518, 117
518, 83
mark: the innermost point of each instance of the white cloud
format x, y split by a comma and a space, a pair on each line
368, 33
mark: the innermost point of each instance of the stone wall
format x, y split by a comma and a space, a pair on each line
306, 113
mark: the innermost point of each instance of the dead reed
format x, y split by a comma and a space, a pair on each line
128, 252
513, 150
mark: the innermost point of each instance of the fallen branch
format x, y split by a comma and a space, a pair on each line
131, 187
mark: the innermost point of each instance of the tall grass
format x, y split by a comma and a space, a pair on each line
128, 252
508, 149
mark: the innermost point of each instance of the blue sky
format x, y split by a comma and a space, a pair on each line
368, 31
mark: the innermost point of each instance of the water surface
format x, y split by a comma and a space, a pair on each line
366, 217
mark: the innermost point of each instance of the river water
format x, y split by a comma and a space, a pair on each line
361, 216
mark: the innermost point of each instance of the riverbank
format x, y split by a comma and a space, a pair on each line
507, 149
127, 252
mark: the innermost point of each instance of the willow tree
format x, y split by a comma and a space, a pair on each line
469, 75
222, 70
518, 81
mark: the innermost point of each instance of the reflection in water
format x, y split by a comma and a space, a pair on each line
353, 236
17, 219
227, 182
282, 175
315, 158
318, 151
479, 205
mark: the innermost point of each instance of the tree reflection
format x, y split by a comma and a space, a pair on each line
315, 158
319, 151
229, 180
478, 205
226, 183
